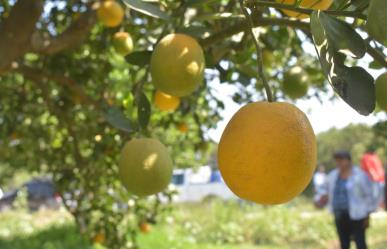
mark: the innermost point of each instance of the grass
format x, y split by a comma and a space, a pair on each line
211, 225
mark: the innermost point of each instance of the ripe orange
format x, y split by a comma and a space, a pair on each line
183, 127
99, 238
267, 153
177, 65
166, 102
310, 4
295, 83
381, 91
145, 167
123, 43
145, 227
110, 13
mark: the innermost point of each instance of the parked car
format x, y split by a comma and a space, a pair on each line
7, 200
40, 194
198, 185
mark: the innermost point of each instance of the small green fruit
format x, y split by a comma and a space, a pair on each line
145, 167
295, 83
381, 91
123, 43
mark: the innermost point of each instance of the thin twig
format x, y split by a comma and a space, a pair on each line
355, 14
261, 75
259, 22
377, 55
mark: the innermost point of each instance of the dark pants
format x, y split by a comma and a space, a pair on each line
348, 229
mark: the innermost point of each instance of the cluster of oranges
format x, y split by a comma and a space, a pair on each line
267, 153
167, 98
177, 69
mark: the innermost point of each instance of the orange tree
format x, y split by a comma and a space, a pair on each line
73, 91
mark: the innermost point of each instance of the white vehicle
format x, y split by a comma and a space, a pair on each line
197, 185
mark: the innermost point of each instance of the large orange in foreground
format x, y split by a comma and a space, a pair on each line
267, 153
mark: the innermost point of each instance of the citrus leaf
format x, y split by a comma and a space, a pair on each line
143, 111
340, 35
147, 9
116, 118
356, 86
139, 58
359, 4
353, 84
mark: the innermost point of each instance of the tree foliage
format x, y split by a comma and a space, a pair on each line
68, 102
354, 138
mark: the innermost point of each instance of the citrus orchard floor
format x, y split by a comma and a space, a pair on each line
212, 225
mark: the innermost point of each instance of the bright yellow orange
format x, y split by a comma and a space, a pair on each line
183, 127
309, 4
166, 102
110, 13
177, 65
267, 153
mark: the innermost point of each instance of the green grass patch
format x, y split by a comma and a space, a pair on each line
210, 225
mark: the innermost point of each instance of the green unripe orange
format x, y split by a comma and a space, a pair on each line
295, 83
123, 43
177, 65
377, 20
145, 167
381, 91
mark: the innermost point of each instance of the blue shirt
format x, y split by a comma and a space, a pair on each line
359, 193
340, 196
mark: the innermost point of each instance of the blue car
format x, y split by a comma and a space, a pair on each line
40, 194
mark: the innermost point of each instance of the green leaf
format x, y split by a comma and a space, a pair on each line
117, 119
147, 9
139, 58
360, 3
143, 111
353, 84
342, 37
375, 65
356, 86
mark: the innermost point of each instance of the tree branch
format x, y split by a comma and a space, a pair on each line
258, 49
355, 14
258, 22
75, 34
378, 56
16, 31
